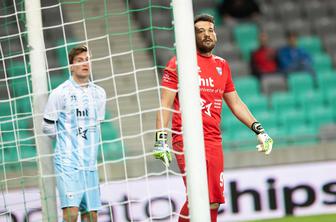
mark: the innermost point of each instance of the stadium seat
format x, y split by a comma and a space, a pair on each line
57, 79
300, 82
311, 43
21, 86
6, 110
327, 81
282, 101
23, 104
247, 86
112, 147
311, 99
246, 37
17, 69
26, 144
257, 103
292, 118
322, 61
273, 83
303, 135
318, 116
267, 118
279, 135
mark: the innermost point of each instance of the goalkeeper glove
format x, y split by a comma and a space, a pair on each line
265, 142
161, 149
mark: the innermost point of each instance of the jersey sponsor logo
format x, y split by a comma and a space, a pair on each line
81, 132
82, 113
206, 107
206, 81
219, 70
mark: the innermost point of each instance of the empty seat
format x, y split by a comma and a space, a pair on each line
311, 99
246, 86
299, 26
322, 61
282, 101
257, 103
303, 135
326, 81
311, 43
314, 9
291, 118
239, 68
300, 82
273, 83
111, 148
318, 116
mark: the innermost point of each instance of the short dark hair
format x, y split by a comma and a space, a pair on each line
76, 51
204, 18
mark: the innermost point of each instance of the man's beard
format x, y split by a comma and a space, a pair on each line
202, 48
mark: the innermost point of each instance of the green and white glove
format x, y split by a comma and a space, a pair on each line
161, 149
265, 141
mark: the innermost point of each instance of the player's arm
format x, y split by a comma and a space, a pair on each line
161, 149
50, 116
241, 111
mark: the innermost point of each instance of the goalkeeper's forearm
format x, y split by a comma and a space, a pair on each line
49, 128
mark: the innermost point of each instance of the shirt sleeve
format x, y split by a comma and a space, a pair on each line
229, 86
53, 107
102, 106
170, 78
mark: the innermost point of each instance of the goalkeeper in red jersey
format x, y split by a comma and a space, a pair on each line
216, 85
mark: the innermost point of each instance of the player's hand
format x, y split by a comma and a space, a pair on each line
161, 149
265, 143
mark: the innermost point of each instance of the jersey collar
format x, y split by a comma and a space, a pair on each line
90, 84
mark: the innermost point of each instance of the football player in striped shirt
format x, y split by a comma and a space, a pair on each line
72, 116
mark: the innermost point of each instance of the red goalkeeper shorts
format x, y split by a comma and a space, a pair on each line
215, 168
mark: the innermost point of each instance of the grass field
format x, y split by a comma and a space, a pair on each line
317, 218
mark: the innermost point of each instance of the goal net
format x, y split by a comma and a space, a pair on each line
130, 42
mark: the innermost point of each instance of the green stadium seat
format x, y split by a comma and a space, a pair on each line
326, 81
17, 69
310, 43
247, 86
292, 118
279, 135
300, 82
246, 37
247, 47
322, 62
112, 146
318, 116
268, 118
244, 139
282, 101
303, 135
245, 32
26, 144
257, 103
20, 86
310, 100
57, 79
62, 52
6, 110
23, 105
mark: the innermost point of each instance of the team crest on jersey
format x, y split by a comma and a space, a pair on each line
219, 70
73, 98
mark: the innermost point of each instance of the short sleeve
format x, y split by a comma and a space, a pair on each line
53, 107
102, 105
170, 78
229, 87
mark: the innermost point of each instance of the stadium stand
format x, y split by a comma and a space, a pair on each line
289, 108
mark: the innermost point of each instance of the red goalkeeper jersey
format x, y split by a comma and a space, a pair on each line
214, 80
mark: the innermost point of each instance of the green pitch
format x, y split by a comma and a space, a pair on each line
317, 218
